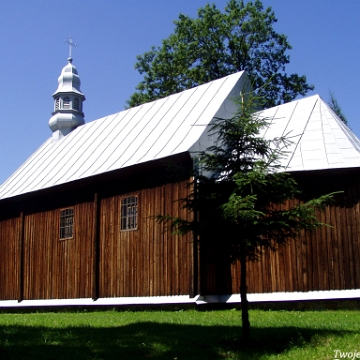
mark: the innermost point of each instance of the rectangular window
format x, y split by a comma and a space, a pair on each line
129, 213
66, 223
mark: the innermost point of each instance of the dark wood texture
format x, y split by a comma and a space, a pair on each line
96, 248
327, 259
10, 238
101, 260
149, 261
22, 256
53, 268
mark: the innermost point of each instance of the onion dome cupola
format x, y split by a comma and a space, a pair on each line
68, 103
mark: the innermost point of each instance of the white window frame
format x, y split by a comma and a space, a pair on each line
66, 228
129, 213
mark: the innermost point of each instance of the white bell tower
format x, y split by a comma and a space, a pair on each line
68, 101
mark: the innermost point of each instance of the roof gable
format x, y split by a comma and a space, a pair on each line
152, 131
320, 140
178, 124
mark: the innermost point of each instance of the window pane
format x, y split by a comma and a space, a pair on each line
66, 223
129, 213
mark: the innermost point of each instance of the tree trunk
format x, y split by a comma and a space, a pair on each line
244, 302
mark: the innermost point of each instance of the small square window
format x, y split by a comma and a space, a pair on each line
129, 213
66, 223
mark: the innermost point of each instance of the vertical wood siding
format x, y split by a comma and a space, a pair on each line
53, 268
327, 259
10, 259
148, 261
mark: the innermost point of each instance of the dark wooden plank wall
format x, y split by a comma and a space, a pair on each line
327, 259
53, 268
10, 259
152, 262
146, 262
149, 261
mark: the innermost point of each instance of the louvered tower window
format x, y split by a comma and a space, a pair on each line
57, 104
66, 103
76, 104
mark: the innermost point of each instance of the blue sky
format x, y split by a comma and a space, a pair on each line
110, 33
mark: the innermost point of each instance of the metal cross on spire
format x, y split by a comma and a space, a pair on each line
71, 45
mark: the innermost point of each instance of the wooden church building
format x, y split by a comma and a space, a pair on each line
77, 219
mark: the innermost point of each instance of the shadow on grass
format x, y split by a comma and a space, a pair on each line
150, 341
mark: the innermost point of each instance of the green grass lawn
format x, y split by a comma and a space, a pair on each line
180, 335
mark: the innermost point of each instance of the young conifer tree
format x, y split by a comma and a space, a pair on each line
241, 194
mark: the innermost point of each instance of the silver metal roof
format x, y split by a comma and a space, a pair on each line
320, 140
178, 124
155, 130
